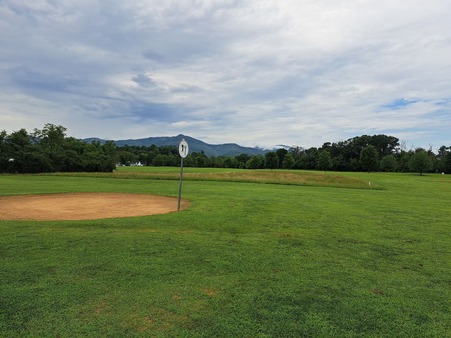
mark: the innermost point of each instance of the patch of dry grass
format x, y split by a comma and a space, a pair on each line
286, 177
283, 177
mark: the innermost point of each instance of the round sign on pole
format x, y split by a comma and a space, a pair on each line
183, 148
183, 151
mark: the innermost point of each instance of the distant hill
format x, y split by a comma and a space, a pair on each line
195, 145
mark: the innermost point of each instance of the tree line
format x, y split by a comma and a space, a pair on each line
361, 153
50, 150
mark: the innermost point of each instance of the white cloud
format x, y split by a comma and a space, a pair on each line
254, 72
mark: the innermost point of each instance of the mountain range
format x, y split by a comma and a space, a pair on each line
195, 145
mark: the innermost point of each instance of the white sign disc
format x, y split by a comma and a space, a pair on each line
183, 148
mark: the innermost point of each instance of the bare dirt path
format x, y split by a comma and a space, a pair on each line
84, 206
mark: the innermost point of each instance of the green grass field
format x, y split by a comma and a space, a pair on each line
258, 254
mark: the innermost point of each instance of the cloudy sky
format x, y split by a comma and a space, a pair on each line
254, 72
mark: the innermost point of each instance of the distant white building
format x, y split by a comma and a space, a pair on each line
133, 164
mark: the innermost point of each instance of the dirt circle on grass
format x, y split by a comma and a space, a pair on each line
85, 206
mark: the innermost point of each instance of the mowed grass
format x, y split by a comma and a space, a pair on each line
245, 260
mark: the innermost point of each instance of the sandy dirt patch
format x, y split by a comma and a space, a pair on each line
85, 206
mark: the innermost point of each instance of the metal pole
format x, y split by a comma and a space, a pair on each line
180, 185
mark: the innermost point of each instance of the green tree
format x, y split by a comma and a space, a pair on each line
385, 145
281, 153
98, 158
324, 161
308, 159
339, 163
447, 165
17, 149
242, 160
256, 162
217, 162
49, 150
369, 158
127, 157
201, 161
231, 162
403, 161
3, 154
443, 159
296, 152
271, 160
161, 160
51, 134
389, 163
288, 161
189, 161
420, 162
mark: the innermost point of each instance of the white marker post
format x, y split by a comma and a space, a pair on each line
183, 151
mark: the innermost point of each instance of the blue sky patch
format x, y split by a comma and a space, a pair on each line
399, 103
